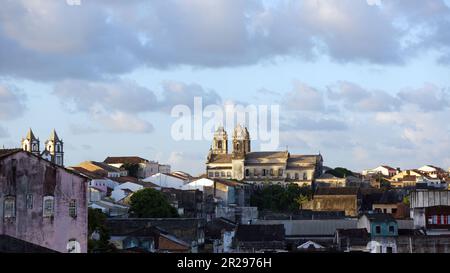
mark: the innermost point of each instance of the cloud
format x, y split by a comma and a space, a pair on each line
123, 122
356, 98
313, 124
304, 98
175, 92
100, 39
428, 97
11, 103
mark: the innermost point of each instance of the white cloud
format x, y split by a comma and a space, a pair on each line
11, 102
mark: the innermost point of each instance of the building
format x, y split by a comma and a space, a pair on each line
145, 168
42, 203
53, 151
336, 199
259, 238
430, 209
383, 230
101, 169
258, 167
329, 180
188, 230
383, 169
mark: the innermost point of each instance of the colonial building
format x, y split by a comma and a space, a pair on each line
53, 151
42, 203
258, 167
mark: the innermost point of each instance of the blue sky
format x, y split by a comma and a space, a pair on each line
363, 84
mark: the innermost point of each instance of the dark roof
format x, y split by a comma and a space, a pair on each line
125, 159
220, 158
260, 233
214, 228
337, 191
353, 232
7, 152
380, 217
389, 197
10, 244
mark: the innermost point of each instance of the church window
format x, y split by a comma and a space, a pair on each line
305, 176
25, 147
247, 172
29, 201
73, 208
9, 208
48, 206
219, 144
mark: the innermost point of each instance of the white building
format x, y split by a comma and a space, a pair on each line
383, 169
164, 180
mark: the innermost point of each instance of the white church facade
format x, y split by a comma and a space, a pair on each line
53, 149
275, 167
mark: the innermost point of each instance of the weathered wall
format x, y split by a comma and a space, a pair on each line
347, 203
32, 175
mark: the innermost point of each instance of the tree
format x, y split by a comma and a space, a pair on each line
132, 169
340, 172
301, 200
96, 224
150, 203
278, 198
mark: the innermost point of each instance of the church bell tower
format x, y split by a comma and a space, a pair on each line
31, 143
241, 142
220, 141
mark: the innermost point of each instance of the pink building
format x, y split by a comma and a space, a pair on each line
42, 203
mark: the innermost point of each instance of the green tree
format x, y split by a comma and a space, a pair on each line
340, 172
406, 200
302, 200
96, 223
278, 198
132, 169
150, 203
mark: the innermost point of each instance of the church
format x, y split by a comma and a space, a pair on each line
53, 151
276, 167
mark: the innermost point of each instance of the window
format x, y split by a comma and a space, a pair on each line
9, 208
73, 246
288, 175
247, 172
228, 174
216, 174
394, 211
211, 174
264, 172
389, 249
391, 229
296, 176
48, 206
271, 172
222, 174
219, 144
305, 176
29, 201
377, 229
73, 208
280, 172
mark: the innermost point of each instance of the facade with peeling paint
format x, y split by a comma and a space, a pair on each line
42, 203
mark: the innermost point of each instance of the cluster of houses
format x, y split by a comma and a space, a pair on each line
44, 205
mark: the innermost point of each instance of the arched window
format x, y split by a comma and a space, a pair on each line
73, 246
25, 147
219, 144
247, 172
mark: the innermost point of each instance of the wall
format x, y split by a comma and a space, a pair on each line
347, 203
39, 177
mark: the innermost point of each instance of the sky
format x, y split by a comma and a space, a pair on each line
363, 82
